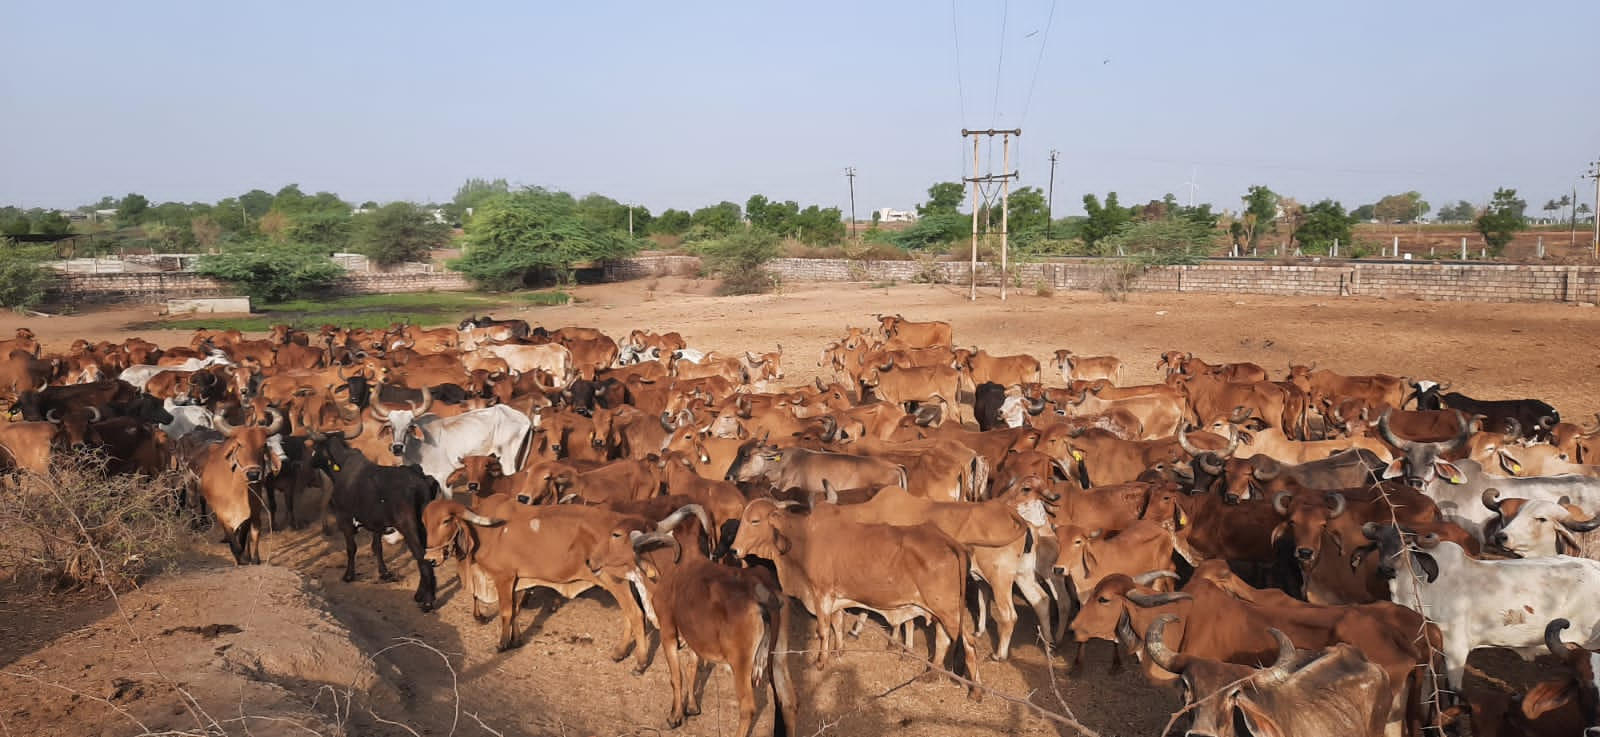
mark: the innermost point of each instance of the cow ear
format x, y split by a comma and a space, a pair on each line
1547, 697
780, 542
1449, 472
1250, 719
1509, 462
1430, 567
1278, 532
1395, 469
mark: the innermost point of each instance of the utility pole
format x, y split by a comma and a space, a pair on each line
630, 220
850, 173
1572, 218
1594, 173
1004, 205
1005, 214
1050, 202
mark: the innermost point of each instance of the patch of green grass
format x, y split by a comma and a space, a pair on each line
548, 299
443, 301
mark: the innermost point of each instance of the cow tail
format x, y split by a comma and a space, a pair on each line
959, 634
980, 477
775, 620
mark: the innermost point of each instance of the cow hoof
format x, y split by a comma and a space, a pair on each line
974, 695
693, 710
505, 646
348, 577
997, 658
674, 722
638, 670
388, 576
483, 618
425, 606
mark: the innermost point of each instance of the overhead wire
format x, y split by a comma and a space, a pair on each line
1000, 63
1038, 62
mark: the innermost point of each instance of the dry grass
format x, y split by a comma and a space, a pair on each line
53, 525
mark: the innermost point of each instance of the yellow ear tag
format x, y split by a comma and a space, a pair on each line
1183, 519
1077, 455
335, 468
1516, 468
778, 457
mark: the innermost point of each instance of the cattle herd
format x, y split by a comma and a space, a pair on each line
1305, 556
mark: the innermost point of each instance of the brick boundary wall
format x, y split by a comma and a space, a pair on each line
1425, 281
158, 287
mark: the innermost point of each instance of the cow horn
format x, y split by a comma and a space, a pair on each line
1156, 647
1265, 468
1462, 434
1552, 638
1183, 442
684, 512
1581, 525
223, 426
53, 415
1336, 504
830, 428
1513, 429
377, 402
642, 539
1210, 463
820, 386
1430, 540
276, 426
1279, 672
427, 402
1037, 406
1280, 503
1148, 578
1388, 435
666, 422
94, 414
1547, 422
1491, 499
887, 366
1233, 442
1153, 600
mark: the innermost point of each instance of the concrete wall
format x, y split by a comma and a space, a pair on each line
158, 287
1426, 281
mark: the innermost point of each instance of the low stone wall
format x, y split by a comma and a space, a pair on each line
1422, 280
158, 287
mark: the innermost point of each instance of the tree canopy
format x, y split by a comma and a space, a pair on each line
1322, 224
521, 238
400, 232
943, 197
1501, 220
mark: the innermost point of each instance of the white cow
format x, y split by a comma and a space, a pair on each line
438, 444
551, 358
140, 375
1489, 603
1535, 528
186, 418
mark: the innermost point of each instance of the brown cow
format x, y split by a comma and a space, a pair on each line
900, 572
724, 615
898, 332
1088, 368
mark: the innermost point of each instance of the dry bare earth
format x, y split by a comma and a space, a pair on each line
302, 628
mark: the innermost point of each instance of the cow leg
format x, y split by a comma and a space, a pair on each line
941, 650
427, 585
981, 622
669, 652
691, 676
253, 539
506, 588
744, 691
235, 540
384, 574
633, 630
1005, 611
347, 526
1036, 597
861, 621
1058, 592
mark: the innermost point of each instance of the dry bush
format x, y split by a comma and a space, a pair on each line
929, 270
76, 525
1120, 277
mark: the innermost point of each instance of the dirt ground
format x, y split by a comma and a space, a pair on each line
308, 642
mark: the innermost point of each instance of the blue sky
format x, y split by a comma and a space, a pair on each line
683, 104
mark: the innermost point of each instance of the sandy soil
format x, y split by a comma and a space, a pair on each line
69, 665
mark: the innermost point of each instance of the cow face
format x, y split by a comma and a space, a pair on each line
761, 531
1583, 687
1427, 394
1306, 517
1392, 545
1420, 463
479, 472
755, 459
75, 424
1535, 527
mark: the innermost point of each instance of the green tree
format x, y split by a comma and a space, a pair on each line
1364, 213
1322, 224
1028, 211
132, 208
271, 272
943, 197
1401, 208
1161, 241
472, 194
1200, 214
671, 222
1584, 209
1565, 203
23, 277
931, 231
52, 223
738, 259
1501, 220
1103, 221
1461, 212
1260, 210
718, 219
206, 231
1550, 206
820, 226
521, 238
400, 232
256, 203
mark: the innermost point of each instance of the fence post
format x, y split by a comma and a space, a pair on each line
1463, 248
1335, 253
1541, 248
1397, 246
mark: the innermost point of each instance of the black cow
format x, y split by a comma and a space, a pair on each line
519, 328
361, 393
1524, 418
35, 406
986, 403
383, 499
582, 395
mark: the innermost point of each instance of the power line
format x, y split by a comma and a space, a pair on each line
955, 33
1039, 60
1000, 63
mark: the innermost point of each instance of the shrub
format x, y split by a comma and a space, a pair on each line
271, 272
400, 232
23, 278
738, 259
516, 239
76, 526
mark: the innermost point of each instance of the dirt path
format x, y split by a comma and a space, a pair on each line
318, 630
